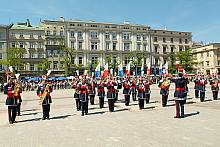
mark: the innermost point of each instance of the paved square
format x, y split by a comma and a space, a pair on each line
126, 127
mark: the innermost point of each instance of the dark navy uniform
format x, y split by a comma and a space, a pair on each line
134, 90
202, 83
164, 91
127, 93
101, 94
76, 96
11, 102
147, 91
84, 98
180, 95
111, 96
47, 101
196, 87
141, 96
214, 88
92, 92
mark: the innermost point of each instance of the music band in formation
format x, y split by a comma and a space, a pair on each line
86, 88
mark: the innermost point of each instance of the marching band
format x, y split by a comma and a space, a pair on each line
87, 88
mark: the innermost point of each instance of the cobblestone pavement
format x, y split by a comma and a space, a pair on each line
126, 127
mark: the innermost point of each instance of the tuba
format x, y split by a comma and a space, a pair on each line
43, 96
165, 84
16, 90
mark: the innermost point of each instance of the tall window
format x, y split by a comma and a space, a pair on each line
171, 40
144, 37
94, 45
94, 60
55, 65
21, 35
21, 44
40, 55
0, 55
155, 39
1, 45
138, 37
164, 40
48, 32
164, 49
13, 45
39, 35
31, 67
80, 60
47, 42
126, 36
107, 46
180, 40
126, 46
180, 48
172, 49
114, 36
156, 61
54, 33
107, 35
12, 34
94, 35
72, 34
40, 45
114, 46
72, 44
138, 46
145, 47
31, 35
80, 35
61, 33
156, 49
80, 45
32, 55
126, 60
186, 41
31, 44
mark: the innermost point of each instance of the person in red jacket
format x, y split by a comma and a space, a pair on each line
127, 92
11, 102
147, 91
84, 98
17, 95
101, 93
111, 95
141, 95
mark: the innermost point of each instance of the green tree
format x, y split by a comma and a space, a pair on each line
172, 66
14, 58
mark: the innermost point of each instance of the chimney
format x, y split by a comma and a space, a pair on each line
28, 23
62, 19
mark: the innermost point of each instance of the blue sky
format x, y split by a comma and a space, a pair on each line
198, 16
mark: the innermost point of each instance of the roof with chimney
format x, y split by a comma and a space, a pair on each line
26, 26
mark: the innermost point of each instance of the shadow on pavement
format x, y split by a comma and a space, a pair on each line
209, 100
152, 107
28, 120
94, 113
191, 114
29, 110
60, 117
119, 110
35, 113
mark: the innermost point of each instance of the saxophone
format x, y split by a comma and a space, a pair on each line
16, 90
43, 96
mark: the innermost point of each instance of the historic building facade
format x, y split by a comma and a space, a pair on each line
93, 42
208, 58
32, 40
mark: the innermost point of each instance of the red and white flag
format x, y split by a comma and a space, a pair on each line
128, 69
105, 73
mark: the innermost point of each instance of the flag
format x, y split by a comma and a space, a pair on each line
161, 69
97, 71
148, 69
142, 69
10, 68
105, 73
120, 71
165, 70
90, 69
128, 69
77, 72
155, 70
136, 70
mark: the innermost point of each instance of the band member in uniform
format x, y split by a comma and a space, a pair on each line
134, 90
202, 83
111, 96
11, 102
141, 95
43, 92
92, 92
101, 93
179, 94
127, 93
17, 95
196, 87
76, 96
84, 98
214, 87
147, 91
164, 85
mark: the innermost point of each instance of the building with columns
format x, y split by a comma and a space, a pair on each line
208, 58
